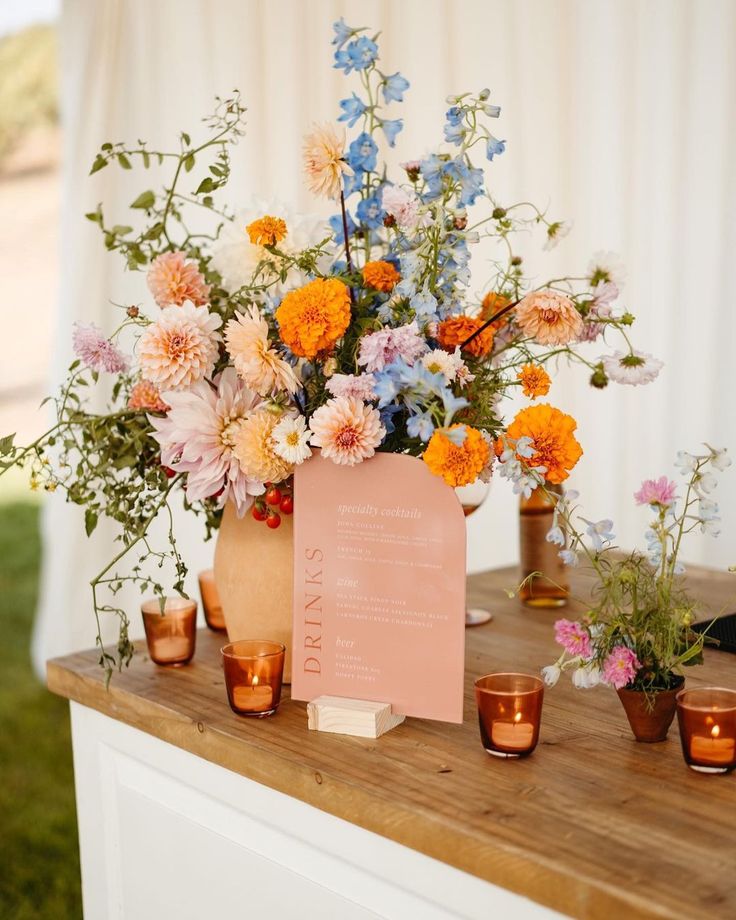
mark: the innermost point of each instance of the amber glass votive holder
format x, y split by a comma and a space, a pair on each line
509, 713
211, 605
171, 635
253, 672
707, 720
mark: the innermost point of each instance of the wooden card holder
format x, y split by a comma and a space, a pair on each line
342, 716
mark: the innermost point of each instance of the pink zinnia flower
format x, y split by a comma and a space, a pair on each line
620, 668
656, 492
574, 638
383, 347
97, 351
347, 430
347, 385
198, 434
173, 278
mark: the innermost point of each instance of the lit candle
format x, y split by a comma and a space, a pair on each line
516, 735
171, 648
255, 698
711, 750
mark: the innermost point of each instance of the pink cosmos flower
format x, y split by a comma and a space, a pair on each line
173, 278
620, 668
574, 638
347, 385
97, 351
383, 347
198, 434
656, 492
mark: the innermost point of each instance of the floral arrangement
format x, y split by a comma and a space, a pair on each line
637, 633
270, 334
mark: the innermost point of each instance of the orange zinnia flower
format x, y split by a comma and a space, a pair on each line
535, 381
312, 318
551, 431
266, 231
457, 465
381, 275
455, 330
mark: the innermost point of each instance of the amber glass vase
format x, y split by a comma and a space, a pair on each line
172, 634
536, 513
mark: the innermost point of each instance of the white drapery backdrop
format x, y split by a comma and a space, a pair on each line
619, 113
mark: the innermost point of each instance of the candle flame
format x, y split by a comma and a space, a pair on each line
517, 717
254, 682
715, 731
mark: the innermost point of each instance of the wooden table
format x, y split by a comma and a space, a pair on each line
592, 825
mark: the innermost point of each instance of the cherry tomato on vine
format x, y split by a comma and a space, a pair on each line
287, 504
273, 496
259, 512
273, 520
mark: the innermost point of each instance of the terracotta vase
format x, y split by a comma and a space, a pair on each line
254, 574
650, 718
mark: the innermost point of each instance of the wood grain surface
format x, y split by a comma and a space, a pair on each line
593, 824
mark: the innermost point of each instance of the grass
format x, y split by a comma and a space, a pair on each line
38, 829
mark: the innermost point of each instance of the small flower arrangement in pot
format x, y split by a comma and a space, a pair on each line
637, 635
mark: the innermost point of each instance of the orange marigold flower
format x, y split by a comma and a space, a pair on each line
551, 431
456, 329
312, 318
381, 275
457, 465
493, 303
535, 381
266, 231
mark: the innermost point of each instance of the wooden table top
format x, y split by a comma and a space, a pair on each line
593, 824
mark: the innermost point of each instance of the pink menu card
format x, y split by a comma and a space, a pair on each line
379, 586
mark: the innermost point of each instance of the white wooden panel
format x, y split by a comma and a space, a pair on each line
166, 834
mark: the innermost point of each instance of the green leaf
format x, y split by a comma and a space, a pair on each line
6, 444
95, 216
206, 185
90, 521
146, 158
189, 162
121, 230
124, 161
144, 201
106, 146
185, 137
99, 163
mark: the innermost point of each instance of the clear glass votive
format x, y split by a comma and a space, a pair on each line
509, 713
171, 635
707, 720
211, 605
253, 672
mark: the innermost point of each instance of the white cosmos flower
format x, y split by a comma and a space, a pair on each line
631, 368
236, 258
551, 674
291, 439
606, 266
556, 232
586, 676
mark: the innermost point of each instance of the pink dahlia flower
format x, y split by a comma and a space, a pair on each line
347, 385
198, 434
173, 278
97, 351
620, 668
383, 347
656, 492
347, 430
574, 638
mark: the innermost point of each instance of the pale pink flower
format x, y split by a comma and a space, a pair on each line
402, 206
97, 351
197, 437
324, 163
549, 318
347, 430
620, 668
574, 638
349, 385
377, 349
145, 395
180, 348
632, 368
255, 360
656, 492
173, 278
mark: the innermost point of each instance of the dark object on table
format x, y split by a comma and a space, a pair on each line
723, 630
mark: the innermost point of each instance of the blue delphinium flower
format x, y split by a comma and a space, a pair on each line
391, 128
342, 32
352, 109
420, 426
471, 184
452, 403
337, 230
394, 88
387, 418
454, 128
456, 435
494, 147
369, 212
353, 183
362, 153
454, 115
360, 53
492, 111
600, 533
424, 304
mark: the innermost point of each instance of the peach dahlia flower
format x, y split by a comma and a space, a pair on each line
347, 430
257, 363
180, 348
549, 318
324, 166
173, 278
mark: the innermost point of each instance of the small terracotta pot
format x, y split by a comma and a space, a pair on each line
650, 719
